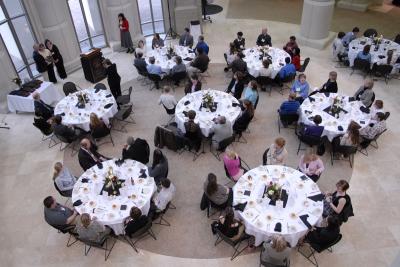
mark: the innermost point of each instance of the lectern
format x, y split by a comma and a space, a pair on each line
92, 65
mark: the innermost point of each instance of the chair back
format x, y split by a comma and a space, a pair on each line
63, 139
101, 86
142, 71
124, 112
347, 150
305, 64
69, 88
43, 127
142, 230
154, 77
59, 191
289, 118
227, 239
310, 140
256, 104
387, 115
372, 100
319, 248
130, 92
290, 78
91, 243
264, 80
265, 157
178, 76
100, 132
170, 111
226, 59
370, 32
384, 70
225, 143
66, 228
361, 64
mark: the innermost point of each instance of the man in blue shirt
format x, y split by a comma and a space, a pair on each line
314, 130
287, 70
202, 44
152, 68
350, 36
290, 106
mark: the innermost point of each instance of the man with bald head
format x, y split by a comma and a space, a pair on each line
88, 155
264, 38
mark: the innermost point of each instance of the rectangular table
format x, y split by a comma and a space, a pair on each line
48, 93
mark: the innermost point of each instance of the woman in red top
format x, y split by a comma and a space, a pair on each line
126, 40
296, 58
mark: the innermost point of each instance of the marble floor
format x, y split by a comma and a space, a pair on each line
371, 238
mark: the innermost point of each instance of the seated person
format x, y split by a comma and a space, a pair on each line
365, 55
339, 51
193, 85
221, 130
230, 55
152, 68
88, 155
290, 45
350, 138
376, 107
91, 230
136, 149
57, 215
276, 251
139, 62
314, 130
97, 126
238, 64
141, 48
199, 64
266, 70
157, 41
216, 193
300, 87
179, 67
186, 38
291, 106
236, 85
264, 38
296, 58
161, 199
167, 99
286, 71
338, 203
277, 153
192, 130
311, 165
323, 236
229, 226
41, 123
251, 93
232, 164
239, 42
245, 117
46, 110
64, 179
69, 133
135, 221
201, 45
365, 93
350, 36
159, 168
330, 86
370, 131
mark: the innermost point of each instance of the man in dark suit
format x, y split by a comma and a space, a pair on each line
186, 38
264, 38
46, 110
135, 221
239, 42
41, 65
88, 155
136, 149
140, 63
238, 64
200, 63
69, 133
236, 85
193, 85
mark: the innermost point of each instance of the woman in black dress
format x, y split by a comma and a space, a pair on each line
58, 60
113, 78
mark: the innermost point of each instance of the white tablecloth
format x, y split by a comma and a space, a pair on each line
254, 64
160, 54
260, 218
107, 209
80, 117
329, 122
358, 44
204, 117
48, 93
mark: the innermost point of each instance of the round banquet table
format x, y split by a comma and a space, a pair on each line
254, 64
204, 117
160, 54
260, 216
107, 209
102, 103
318, 103
379, 56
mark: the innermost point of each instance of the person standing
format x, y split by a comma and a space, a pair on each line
126, 39
41, 65
57, 57
44, 62
113, 78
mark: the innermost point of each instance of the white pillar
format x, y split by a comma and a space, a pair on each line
52, 20
7, 73
186, 11
315, 23
357, 5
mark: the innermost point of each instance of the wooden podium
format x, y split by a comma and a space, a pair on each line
92, 65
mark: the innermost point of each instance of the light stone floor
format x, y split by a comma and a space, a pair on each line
371, 238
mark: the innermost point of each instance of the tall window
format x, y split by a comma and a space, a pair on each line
151, 16
16, 32
88, 23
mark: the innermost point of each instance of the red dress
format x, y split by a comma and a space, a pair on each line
296, 61
125, 26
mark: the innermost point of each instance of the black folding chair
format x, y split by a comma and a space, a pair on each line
349, 151
140, 234
102, 244
143, 75
123, 116
265, 82
125, 99
317, 248
47, 135
366, 143
171, 113
235, 244
177, 77
310, 140
69, 88
160, 219
383, 71
287, 82
304, 66
243, 165
100, 133
67, 229
221, 146
361, 64
63, 194
156, 79
287, 120
269, 264
68, 143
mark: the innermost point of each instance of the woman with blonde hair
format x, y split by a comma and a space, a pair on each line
91, 229
277, 153
232, 164
276, 251
311, 165
97, 126
63, 179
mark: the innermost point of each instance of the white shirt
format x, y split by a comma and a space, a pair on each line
165, 196
167, 100
266, 72
338, 47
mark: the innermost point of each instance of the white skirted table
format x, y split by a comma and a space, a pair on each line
300, 207
100, 102
227, 106
166, 64
112, 210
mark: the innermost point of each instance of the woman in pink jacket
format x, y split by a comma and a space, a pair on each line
232, 164
311, 165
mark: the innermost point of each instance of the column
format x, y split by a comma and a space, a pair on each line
110, 10
357, 5
52, 20
315, 23
186, 11
7, 73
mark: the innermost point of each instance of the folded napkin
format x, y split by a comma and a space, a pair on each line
351, 99
303, 218
143, 173
381, 56
247, 193
304, 177
123, 207
272, 202
240, 206
84, 180
97, 90
362, 122
186, 103
188, 59
234, 104
77, 203
340, 128
108, 105
364, 109
311, 118
119, 162
110, 95
278, 227
326, 94
318, 197
312, 99
61, 114
284, 197
99, 165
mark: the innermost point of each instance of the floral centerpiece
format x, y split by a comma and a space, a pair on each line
208, 101
336, 106
17, 81
112, 184
377, 41
82, 100
273, 191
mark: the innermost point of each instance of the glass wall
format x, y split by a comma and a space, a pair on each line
17, 35
151, 16
88, 23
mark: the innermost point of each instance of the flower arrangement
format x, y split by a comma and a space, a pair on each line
82, 100
208, 101
336, 107
112, 184
273, 191
17, 81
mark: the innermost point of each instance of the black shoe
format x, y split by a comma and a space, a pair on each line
128, 51
132, 50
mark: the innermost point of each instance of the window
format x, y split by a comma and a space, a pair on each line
88, 23
16, 32
151, 16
